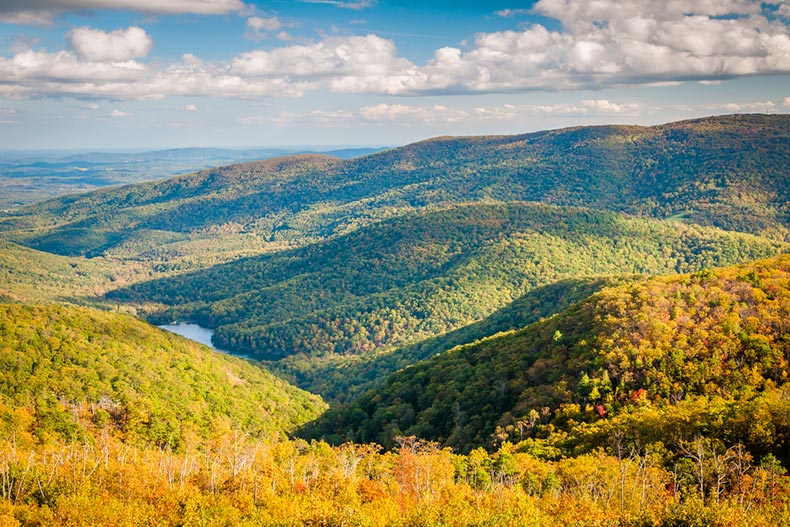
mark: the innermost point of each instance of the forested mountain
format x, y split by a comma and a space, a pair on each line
725, 171
422, 274
659, 359
341, 378
32, 177
68, 368
496, 295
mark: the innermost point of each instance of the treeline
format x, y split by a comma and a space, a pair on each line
423, 274
663, 359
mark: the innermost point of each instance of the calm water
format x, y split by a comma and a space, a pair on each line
193, 332
199, 334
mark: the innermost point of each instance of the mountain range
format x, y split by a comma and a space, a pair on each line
468, 291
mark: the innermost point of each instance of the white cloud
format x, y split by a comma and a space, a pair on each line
259, 28
600, 44
605, 43
41, 12
118, 46
356, 5
786, 102
118, 114
36, 73
506, 13
40, 72
259, 24
188, 108
403, 113
742, 107
344, 64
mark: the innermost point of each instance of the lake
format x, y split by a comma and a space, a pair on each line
198, 334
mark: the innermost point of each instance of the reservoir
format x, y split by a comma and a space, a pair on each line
198, 334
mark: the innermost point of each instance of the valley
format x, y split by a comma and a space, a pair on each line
466, 330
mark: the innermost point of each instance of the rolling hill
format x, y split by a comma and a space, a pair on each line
422, 274
725, 171
70, 368
342, 378
515, 298
660, 359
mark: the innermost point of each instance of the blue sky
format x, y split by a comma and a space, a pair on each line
126, 74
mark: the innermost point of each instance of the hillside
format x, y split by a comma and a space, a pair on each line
341, 378
32, 276
422, 274
728, 171
73, 368
660, 359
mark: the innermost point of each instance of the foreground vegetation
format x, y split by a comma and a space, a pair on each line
231, 479
105, 420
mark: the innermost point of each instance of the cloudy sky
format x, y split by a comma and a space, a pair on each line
126, 74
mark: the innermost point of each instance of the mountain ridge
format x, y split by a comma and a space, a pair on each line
713, 342
725, 171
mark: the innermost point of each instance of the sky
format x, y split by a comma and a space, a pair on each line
132, 74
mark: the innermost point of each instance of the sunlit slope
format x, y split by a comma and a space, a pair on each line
659, 359
727, 171
70, 366
341, 378
422, 274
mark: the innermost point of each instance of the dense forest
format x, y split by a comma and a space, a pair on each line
727, 171
655, 360
107, 421
60, 361
340, 378
587, 326
422, 274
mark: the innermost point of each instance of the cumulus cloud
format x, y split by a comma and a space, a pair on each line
93, 74
506, 13
598, 44
45, 11
188, 108
259, 28
607, 42
343, 64
259, 24
118, 46
118, 114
